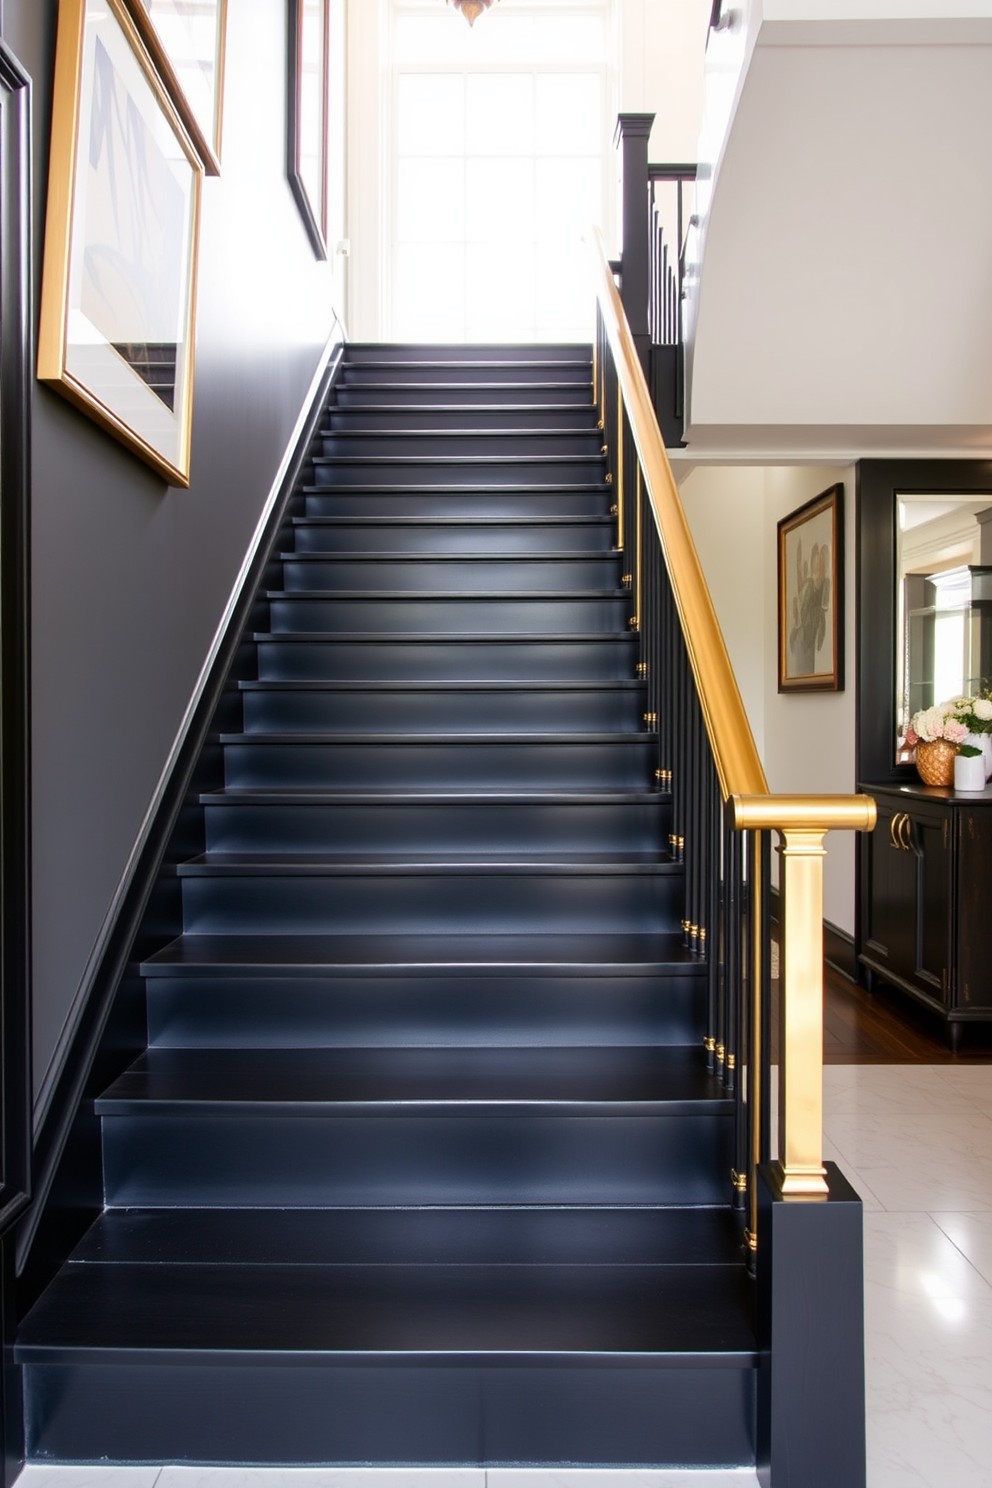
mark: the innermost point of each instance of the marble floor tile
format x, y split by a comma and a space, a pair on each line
922, 1163
513, 1477
910, 1256
891, 1090
972, 1234
99, 1475
321, 1477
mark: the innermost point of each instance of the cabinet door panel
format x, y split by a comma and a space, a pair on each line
891, 932
973, 978
933, 905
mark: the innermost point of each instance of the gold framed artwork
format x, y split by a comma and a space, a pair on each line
118, 299
187, 40
811, 596
309, 112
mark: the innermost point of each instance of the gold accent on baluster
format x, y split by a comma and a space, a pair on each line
651, 720
604, 450
601, 424
721, 1053
750, 1240
620, 444
639, 556
641, 669
739, 1180
613, 512
626, 580
731, 1061
702, 932
609, 482
709, 1044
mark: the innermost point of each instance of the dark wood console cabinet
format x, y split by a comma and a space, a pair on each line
926, 907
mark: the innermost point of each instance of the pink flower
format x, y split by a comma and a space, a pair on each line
955, 732
912, 738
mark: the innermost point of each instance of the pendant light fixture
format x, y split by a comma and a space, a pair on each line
472, 9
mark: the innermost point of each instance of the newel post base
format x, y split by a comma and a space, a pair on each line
810, 1321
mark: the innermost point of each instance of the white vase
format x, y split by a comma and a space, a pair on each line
969, 772
986, 740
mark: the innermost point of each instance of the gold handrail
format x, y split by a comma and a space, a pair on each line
800, 820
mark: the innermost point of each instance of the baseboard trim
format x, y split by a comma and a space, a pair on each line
839, 951
66, 1082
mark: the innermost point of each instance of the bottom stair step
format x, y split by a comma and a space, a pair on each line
464, 1336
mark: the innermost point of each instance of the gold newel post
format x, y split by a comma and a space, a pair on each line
800, 1071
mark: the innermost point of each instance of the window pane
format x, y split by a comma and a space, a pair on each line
564, 295
569, 197
429, 294
429, 114
570, 114
499, 200
499, 293
499, 114
430, 201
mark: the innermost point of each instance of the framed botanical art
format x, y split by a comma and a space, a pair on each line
119, 285
811, 596
186, 40
309, 73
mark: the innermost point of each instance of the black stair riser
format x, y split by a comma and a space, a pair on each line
526, 539
402, 659
433, 709
439, 826
624, 763
362, 1413
433, 573
545, 395
396, 500
473, 615
330, 1161
481, 374
455, 444
429, 902
511, 419
198, 1012
510, 470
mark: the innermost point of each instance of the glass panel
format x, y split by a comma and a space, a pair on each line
499, 293
499, 114
569, 197
942, 649
499, 201
430, 295
190, 33
430, 110
570, 114
430, 201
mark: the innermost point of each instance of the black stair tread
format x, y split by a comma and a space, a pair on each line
509, 408
607, 684
434, 955
671, 1314
402, 796
418, 637
456, 596
397, 488
374, 519
500, 1235
390, 431
444, 555
631, 736
355, 862
456, 461
638, 1079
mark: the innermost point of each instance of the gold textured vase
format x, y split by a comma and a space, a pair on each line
935, 761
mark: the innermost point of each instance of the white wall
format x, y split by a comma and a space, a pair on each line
806, 741
661, 50
844, 291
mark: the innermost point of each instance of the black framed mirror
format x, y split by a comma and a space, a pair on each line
879, 485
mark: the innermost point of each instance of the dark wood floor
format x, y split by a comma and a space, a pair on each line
890, 1028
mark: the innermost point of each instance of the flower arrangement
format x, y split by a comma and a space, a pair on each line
952, 721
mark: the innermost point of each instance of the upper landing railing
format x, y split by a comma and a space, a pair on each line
722, 810
655, 217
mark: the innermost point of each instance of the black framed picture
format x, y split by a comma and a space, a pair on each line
309, 113
811, 595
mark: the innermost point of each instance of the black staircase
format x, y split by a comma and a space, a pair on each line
423, 1162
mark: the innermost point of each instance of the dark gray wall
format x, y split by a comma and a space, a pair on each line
130, 577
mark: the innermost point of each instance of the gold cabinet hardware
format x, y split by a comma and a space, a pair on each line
905, 833
893, 823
